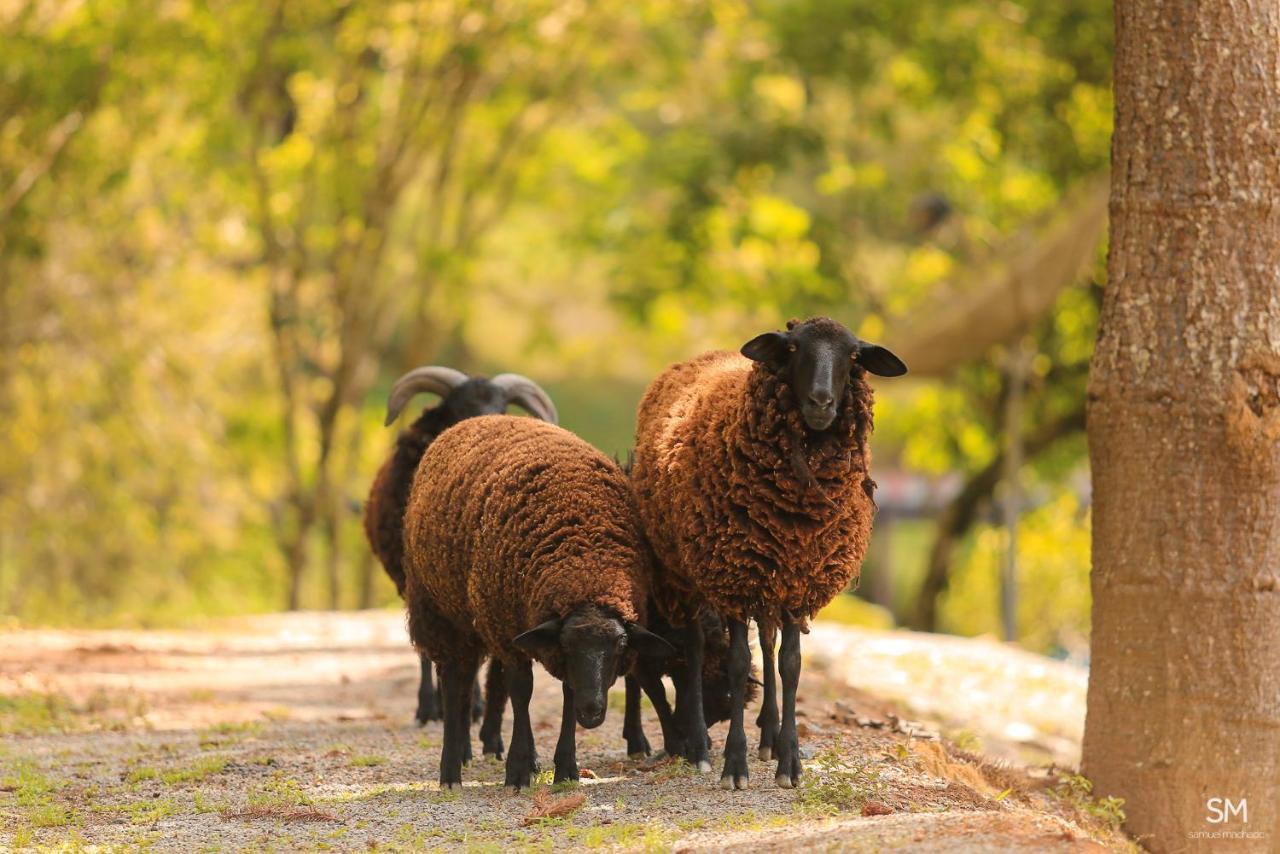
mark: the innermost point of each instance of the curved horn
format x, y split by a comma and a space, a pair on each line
431, 379
528, 395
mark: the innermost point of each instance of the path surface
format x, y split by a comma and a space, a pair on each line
294, 732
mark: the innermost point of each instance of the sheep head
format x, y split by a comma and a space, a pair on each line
466, 397
815, 358
595, 647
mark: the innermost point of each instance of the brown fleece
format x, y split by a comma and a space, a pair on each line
384, 508
512, 522
737, 523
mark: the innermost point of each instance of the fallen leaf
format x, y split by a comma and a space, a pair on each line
278, 811
876, 808
588, 774
546, 806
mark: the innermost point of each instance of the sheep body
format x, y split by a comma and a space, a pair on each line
389, 494
752, 480
522, 541
733, 523
511, 522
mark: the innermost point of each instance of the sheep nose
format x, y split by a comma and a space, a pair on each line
591, 714
821, 397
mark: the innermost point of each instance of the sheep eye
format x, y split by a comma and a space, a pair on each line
791, 348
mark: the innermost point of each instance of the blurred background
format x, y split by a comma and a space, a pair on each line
225, 228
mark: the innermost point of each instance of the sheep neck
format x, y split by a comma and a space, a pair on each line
802, 465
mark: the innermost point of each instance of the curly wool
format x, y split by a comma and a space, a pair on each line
735, 522
384, 508
512, 522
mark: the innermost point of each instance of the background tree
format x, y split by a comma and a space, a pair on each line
269, 210
1184, 427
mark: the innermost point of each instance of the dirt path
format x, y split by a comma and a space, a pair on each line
294, 732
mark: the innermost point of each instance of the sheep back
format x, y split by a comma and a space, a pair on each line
512, 522
732, 523
384, 508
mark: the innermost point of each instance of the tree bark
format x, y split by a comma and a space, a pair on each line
1184, 429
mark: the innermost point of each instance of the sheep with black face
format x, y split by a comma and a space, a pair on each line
522, 542
461, 397
753, 481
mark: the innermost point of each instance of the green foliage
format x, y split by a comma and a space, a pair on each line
1077, 790
837, 780
369, 761
225, 230
1053, 566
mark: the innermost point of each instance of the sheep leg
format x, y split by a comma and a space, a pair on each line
428, 703
521, 756
464, 712
455, 679
632, 725
788, 744
495, 702
768, 717
566, 758
651, 681
694, 724
477, 699
735, 774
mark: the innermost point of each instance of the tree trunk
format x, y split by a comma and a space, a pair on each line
1184, 430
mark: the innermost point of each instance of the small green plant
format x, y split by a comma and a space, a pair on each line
151, 811
195, 772
673, 769
140, 773
50, 815
278, 791
228, 733
35, 712
745, 820
836, 781
966, 740
29, 785
203, 804
1077, 790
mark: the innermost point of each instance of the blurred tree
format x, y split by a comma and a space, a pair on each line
1184, 431
230, 225
370, 127
777, 176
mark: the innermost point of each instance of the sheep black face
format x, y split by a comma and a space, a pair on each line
594, 646
476, 396
815, 357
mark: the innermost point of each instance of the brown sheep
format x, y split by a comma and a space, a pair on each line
647, 675
752, 479
522, 541
461, 397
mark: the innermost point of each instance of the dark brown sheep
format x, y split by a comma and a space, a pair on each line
752, 479
522, 541
647, 675
461, 397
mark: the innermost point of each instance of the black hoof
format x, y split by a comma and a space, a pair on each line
788, 776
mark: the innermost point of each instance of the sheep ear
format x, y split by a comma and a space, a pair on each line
647, 643
772, 348
879, 361
539, 637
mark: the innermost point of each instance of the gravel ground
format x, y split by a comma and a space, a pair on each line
294, 732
